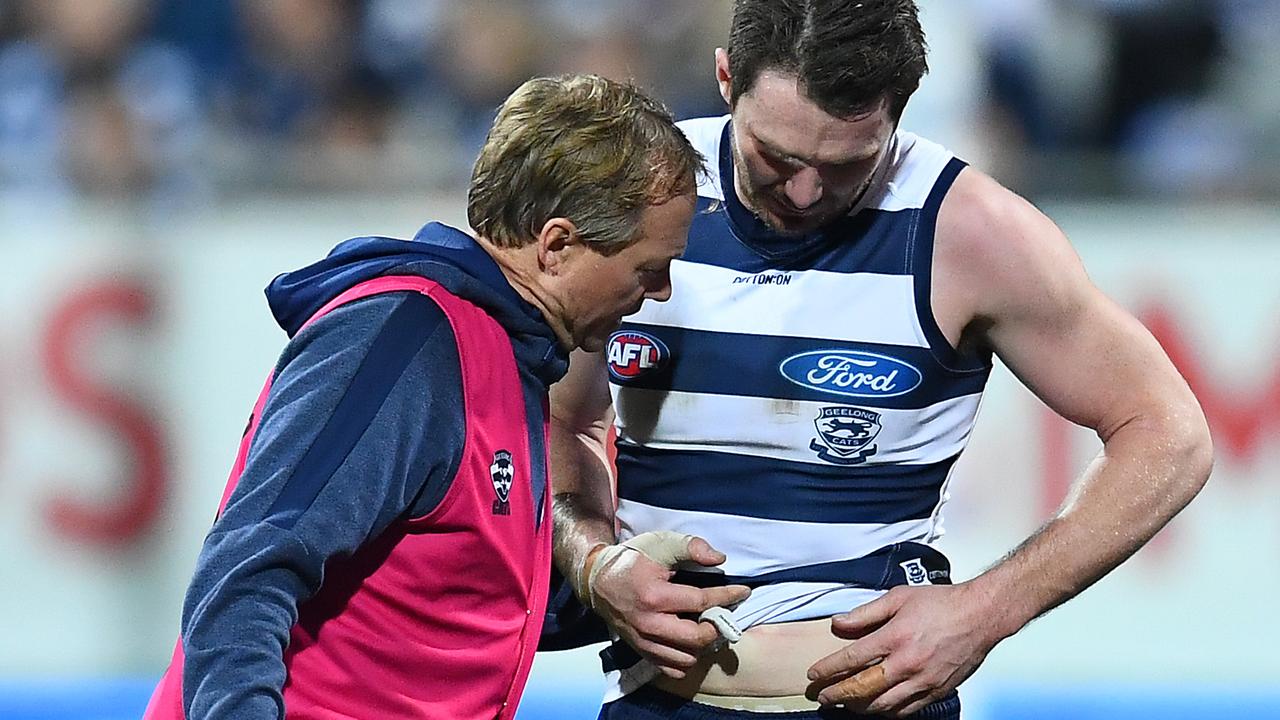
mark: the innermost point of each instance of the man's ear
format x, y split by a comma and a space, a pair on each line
557, 238
723, 77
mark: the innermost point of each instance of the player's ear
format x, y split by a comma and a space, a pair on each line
556, 241
722, 75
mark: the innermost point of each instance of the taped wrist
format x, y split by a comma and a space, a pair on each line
665, 547
579, 578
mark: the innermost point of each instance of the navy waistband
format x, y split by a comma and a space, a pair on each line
905, 563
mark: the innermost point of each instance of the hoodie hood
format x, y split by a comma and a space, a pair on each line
440, 253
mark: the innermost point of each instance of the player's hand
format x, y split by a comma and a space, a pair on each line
910, 647
631, 589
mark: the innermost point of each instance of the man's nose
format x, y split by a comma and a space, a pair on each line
660, 290
804, 188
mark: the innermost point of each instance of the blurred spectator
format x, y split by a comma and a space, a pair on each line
488, 47
1153, 88
170, 99
297, 56
85, 98
665, 44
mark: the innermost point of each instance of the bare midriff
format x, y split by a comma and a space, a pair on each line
769, 661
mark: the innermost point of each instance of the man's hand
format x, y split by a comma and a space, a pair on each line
629, 585
911, 647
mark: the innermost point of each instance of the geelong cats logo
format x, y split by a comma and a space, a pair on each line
845, 434
501, 472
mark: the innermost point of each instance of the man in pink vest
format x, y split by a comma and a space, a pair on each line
383, 545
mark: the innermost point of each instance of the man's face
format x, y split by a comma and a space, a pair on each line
795, 166
604, 289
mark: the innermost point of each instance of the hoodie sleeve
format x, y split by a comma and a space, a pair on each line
364, 424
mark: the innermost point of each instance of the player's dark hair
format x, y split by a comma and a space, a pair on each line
846, 54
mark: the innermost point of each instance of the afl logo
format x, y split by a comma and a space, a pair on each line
633, 353
851, 373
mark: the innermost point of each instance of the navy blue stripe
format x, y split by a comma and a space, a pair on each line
535, 410
921, 257
729, 484
727, 234
860, 243
879, 570
745, 365
401, 337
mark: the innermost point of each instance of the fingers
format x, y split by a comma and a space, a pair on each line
672, 661
665, 547
669, 597
866, 618
669, 548
701, 552
672, 644
916, 705
631, 583
689, 636
858, 689
900, 700
852, 658
723, 596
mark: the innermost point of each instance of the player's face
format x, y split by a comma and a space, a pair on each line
608, 288
795, 166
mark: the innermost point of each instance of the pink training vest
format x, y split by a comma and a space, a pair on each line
438, 617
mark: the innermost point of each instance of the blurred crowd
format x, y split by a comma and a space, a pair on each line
181, 101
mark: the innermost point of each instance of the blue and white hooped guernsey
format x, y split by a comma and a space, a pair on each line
794, 402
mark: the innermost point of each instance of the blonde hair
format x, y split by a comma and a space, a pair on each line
581, 147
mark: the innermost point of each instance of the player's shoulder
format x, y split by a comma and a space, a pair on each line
994, 239
982, 214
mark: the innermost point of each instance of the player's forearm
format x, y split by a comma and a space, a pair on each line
1148, 471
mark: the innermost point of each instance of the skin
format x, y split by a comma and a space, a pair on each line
584, 294
1005, 279
798, 169
634, 594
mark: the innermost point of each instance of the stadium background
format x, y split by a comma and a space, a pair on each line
161, 160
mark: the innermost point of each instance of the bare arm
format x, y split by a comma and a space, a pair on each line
1097, 366
582, 485
1014, 275
632, 592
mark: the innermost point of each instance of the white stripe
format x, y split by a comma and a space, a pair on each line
783, 429
758, 545
871, 307
916, 166
704, 135
785, 602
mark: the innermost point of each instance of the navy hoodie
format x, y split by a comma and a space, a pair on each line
363, 426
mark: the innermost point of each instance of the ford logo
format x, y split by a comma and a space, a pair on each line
851, 373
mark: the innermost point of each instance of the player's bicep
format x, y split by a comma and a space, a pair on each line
1087, 359
1010, 271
